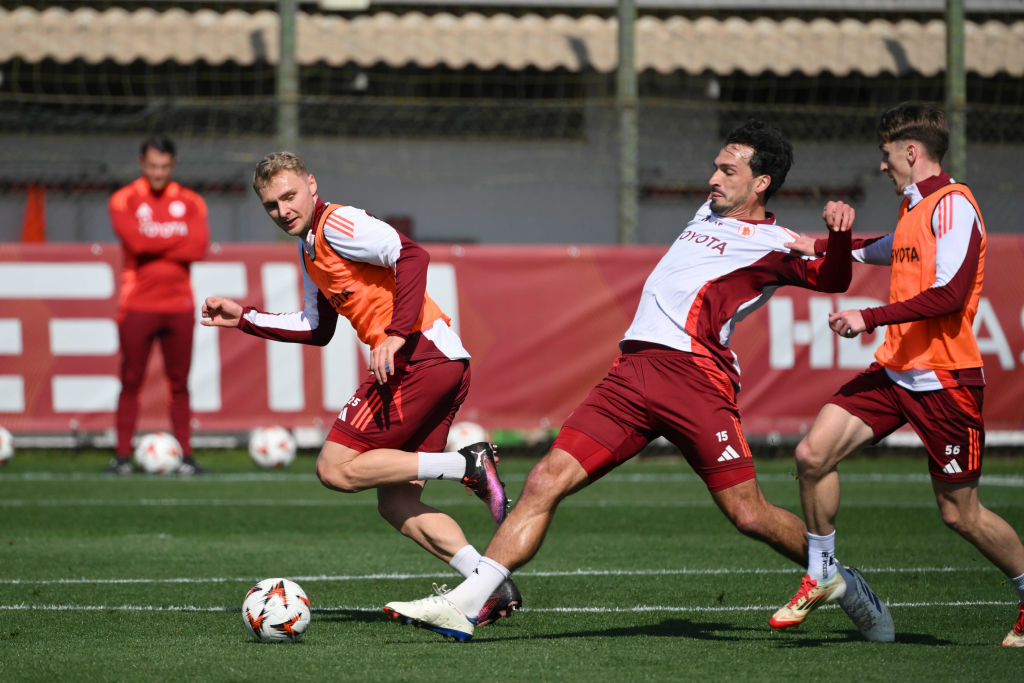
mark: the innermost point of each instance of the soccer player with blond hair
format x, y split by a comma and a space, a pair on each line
392, 432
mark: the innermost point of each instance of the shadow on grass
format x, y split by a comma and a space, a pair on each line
669, 628
722, 631
796, 640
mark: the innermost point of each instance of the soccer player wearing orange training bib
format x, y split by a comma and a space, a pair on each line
392, 432
928, 371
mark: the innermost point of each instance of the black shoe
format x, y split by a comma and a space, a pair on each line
119, 466
189, 467
502, 603
482, 478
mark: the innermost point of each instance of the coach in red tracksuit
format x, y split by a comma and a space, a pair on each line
163, 229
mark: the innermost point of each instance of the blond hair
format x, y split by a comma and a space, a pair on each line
273, 164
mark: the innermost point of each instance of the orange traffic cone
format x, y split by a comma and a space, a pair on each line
33, 225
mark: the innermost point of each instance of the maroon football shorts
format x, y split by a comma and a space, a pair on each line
412, 412
660, 391
948, 421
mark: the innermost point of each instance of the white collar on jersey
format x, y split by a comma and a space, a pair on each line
309, 244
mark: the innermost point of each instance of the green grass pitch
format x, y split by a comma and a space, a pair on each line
641, 578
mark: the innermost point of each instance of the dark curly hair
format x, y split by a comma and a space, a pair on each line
773, 155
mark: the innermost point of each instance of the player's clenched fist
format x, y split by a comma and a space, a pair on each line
838, 216
220, 312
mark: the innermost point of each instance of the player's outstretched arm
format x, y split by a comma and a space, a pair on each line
221, 312
838, 217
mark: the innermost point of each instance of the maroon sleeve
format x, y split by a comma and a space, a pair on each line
318, 336
832, 273
410, 288
821, 244
934, 301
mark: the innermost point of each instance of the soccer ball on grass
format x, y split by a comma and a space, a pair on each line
158, 453
464, 434
6, 446
272, 446
276, 610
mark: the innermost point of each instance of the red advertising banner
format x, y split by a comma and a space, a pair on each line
542, 323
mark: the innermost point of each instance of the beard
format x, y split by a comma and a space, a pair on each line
721, 206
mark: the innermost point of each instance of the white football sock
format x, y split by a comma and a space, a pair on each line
450, 466
465, 561
821, 556
1019, 583
470, 595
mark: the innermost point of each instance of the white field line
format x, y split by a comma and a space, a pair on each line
543, 574
402, 577
568, 610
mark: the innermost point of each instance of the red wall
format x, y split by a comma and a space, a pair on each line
542, 324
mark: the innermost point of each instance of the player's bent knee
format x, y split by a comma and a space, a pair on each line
747, 521
746, 507
538, 491
548, 482
333, 476
811, 462
955, 518
333, 468
964, 525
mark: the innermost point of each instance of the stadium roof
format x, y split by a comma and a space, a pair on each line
814, 6
695, 45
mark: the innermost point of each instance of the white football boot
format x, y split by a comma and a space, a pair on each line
435, 613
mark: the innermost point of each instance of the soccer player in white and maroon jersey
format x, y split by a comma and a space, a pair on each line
392, 432
163, 229
928, 371
677, 376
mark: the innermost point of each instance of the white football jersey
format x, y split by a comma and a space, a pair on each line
717, 272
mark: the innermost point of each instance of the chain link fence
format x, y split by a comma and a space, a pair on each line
508, 129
